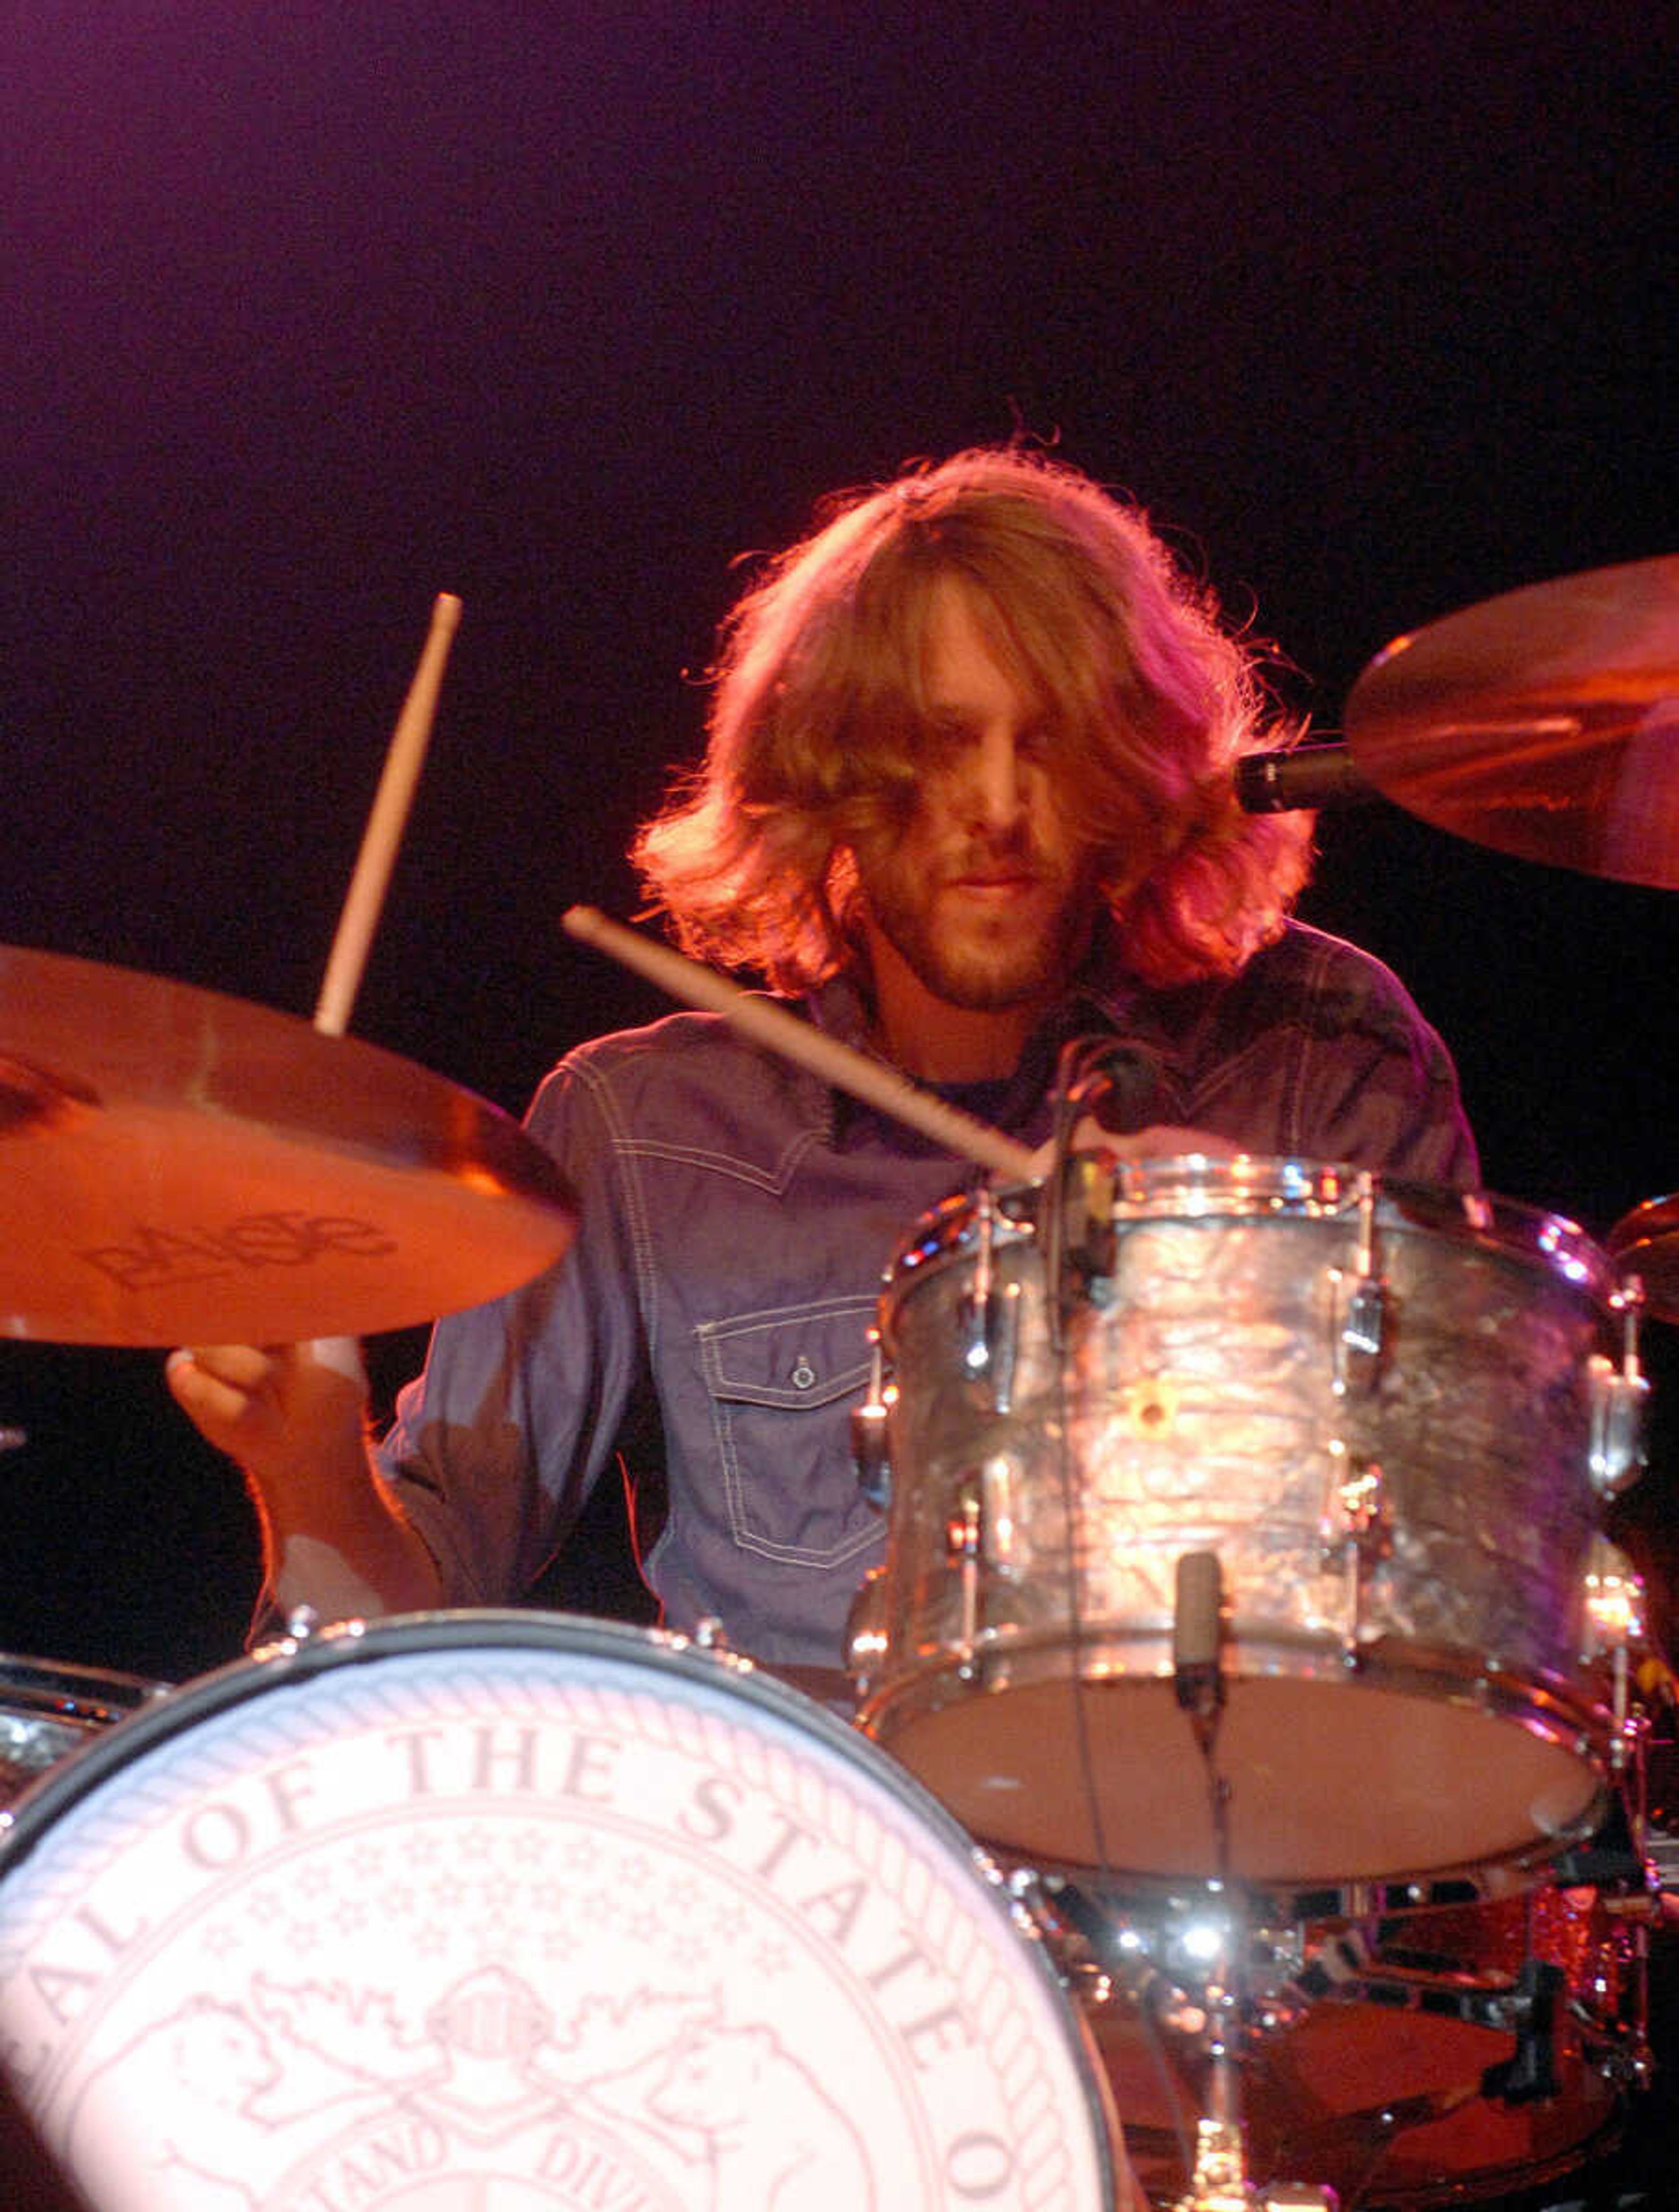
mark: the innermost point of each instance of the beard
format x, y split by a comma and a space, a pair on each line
972, 956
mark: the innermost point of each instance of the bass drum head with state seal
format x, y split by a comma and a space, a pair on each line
495, 1912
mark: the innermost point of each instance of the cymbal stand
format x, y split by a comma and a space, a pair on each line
1218, 2178
1614, 1633
1625, 1875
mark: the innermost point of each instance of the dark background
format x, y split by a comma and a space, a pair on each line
311, 310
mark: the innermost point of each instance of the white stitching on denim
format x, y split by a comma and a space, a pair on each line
635, 1204
725, 1164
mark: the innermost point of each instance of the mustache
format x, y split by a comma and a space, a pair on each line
983, 856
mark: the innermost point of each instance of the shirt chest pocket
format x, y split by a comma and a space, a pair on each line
782, 1385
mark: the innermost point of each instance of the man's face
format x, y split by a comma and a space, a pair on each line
986, 895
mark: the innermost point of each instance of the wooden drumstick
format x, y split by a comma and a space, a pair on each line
769, 1025
384, 833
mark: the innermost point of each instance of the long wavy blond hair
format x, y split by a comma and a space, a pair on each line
818, 729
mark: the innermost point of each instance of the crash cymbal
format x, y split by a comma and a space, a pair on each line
1646, 1242
180, 1167
1544, 723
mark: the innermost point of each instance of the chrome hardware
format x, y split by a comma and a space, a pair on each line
1362, 1305
1364, 1326
1619, 1399
964, 1545
1614, 1601
1357, 1495
1219, 2182
999, 1479
1354, 1544
871, 1451
866, 1629
989, 1315
865, 1640
1356, 1533
1613, 1629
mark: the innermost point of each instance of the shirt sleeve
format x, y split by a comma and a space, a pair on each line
496, 1445
1376, 1085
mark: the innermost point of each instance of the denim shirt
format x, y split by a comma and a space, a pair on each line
735, 1220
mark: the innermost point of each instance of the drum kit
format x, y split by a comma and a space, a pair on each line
1248, 1726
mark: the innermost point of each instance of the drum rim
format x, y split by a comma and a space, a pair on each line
290, 1659
300, 1661
1253, 1185
1550, 1709
45, 1688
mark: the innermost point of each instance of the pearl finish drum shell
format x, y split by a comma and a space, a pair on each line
1205, 1400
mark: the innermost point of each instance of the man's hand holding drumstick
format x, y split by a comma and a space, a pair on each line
294, 1416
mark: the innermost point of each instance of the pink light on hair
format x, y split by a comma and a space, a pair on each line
818, 726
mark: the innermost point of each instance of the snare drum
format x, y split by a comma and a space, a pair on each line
1371, 2054
512, 1909
1373, 1405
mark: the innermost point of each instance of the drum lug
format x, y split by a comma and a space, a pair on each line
865, 1630
979, 1541
1367, 1529
964, 1545
871, 1451
1619, 1399
1355, 1545
991, 1326
1363, 1331
989, 1314
1360, 1313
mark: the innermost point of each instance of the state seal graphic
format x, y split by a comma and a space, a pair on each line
491, 1912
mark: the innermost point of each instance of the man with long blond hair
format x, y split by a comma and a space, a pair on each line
969, 793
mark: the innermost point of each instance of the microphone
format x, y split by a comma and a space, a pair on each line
1197, 1634
1114, 1078
1314, 776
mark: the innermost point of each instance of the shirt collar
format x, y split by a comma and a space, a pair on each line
1102, 997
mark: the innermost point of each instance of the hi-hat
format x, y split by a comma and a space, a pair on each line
1544, 723
180, 1167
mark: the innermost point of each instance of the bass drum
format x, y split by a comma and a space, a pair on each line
502, 1912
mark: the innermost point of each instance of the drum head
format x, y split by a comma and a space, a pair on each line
501, 1913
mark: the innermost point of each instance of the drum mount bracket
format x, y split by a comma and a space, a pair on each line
1354, 1535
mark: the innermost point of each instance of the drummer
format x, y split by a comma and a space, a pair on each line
968, 795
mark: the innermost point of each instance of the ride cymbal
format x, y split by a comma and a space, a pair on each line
177, 1166
1646, 1242
1544, 723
